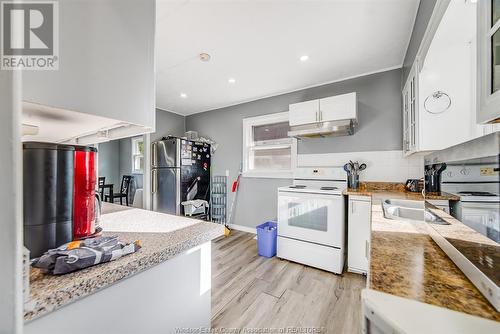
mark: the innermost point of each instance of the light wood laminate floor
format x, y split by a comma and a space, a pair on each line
250, 291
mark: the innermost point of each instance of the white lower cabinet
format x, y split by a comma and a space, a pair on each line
358, 235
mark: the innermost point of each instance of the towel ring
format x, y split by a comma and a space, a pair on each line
437, 102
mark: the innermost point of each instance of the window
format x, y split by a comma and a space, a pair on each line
138, 155
267, 149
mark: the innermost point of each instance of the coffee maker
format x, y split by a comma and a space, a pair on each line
60, 200
86, 207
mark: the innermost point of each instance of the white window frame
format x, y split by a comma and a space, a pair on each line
134, 154
248, 124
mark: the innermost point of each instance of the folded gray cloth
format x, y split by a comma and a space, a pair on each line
81, 254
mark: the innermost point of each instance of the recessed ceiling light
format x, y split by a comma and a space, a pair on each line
205, 57
304, 58
231, 80
184, 95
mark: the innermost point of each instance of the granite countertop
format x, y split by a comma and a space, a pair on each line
396, 190
162, 237
406, 262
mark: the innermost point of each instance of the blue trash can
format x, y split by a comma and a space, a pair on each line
267, 234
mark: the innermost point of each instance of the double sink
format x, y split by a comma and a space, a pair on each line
409, 210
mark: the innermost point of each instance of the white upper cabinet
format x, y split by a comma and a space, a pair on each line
333, 108
488, 61
439, 97
338, 107
106, 69
304, 112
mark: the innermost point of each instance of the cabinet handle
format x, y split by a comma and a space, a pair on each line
320, 116
352, 207
367, 247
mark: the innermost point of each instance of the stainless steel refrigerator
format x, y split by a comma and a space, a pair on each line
180, 172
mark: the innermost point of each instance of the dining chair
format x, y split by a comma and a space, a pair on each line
102, 182
124, 190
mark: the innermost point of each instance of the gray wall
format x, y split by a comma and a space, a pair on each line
109, 161
115, 160
421, 21
380, 129
168, 123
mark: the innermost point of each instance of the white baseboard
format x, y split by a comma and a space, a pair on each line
243, 228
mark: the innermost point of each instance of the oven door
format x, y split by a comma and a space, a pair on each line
317, 218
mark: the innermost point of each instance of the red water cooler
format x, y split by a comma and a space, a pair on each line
84, 207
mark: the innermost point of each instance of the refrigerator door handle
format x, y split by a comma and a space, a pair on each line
154, 149
154, 181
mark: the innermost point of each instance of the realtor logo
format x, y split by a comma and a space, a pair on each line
29, 35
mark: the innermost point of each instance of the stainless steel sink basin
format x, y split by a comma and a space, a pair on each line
405, 203
401, 209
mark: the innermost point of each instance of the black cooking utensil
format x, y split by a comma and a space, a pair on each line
347, 168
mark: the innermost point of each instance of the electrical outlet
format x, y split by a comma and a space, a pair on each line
487, 171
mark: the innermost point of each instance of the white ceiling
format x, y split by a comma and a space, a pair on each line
259, 44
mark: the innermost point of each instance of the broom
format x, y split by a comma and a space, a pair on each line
234, 189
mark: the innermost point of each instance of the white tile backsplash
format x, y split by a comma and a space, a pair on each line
385, 166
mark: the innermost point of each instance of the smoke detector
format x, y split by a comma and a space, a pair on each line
204, 57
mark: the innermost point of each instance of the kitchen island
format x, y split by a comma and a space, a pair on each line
406, 262
165, 285
409, 274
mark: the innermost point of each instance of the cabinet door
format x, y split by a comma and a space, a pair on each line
338, 107
488, 61
406, 137
304, 112
359, 235
410, 112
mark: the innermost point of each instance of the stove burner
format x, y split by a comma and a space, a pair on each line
328, 188
298, 186
475, 193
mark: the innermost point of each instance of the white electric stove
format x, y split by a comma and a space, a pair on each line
479, 205
311, 218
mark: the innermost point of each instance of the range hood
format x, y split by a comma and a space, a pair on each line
323, 129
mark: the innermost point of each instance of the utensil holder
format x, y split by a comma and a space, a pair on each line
353, 181
433, 183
